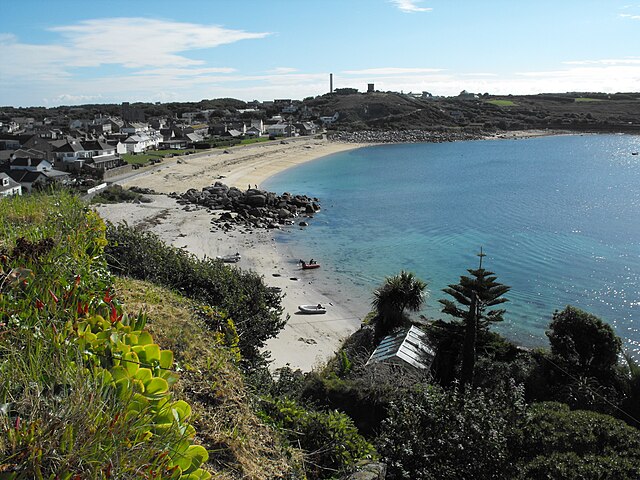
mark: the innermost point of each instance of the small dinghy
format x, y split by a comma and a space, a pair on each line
309, 266
312, 308
230, 258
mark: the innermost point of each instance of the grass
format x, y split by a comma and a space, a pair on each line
142, 158
503, 103
248, 141
587, 99
240, 445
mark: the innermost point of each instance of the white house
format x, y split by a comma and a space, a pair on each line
140, 142
30, 161
281, 130
132, 128
8, 186
330, 120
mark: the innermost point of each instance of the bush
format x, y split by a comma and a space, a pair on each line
117, 194
331, 442
557, 443
255, 309
438, 434
85, 391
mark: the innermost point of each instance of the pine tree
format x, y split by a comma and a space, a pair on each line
475, 294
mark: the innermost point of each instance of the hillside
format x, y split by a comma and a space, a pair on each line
86, 391
110, 377
393, 111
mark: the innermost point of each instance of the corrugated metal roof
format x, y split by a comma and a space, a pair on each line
409, 346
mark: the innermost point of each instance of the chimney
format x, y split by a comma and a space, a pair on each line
331, 83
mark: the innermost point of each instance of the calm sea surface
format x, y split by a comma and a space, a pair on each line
558, 217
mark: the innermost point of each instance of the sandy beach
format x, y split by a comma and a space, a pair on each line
307, 340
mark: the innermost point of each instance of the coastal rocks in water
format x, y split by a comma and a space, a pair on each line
252, 208
402, 136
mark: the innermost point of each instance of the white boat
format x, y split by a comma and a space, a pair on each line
312, 308
229, 258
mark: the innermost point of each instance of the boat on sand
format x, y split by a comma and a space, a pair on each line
312, 309
229, 258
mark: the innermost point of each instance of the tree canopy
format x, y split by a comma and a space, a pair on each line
398, 293
584, 342
476, 294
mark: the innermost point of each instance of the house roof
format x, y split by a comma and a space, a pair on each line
26, 176
12, 183
29, 153
194, 137
409, 346
26, 161
96, 145
70, 147
102, 159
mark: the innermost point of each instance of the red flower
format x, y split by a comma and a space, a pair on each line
53, 295
114, 313
107, 296
83, 309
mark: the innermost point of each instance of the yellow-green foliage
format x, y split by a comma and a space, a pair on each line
240, 445
84, 390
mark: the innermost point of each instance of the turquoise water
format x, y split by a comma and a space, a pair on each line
558, 217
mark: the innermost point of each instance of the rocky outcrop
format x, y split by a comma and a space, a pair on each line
251, 208
401, 136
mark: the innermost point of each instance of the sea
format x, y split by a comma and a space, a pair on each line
558, 218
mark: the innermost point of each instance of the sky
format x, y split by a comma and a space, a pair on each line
63, 52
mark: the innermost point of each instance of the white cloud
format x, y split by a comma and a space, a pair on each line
391, 71
409, 6
609, 61
480, 74
136, 42
282, 70
70, 99
632, 17
132, 43
143, 47
184, 72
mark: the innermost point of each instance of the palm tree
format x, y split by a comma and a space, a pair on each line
475, 294
398, 293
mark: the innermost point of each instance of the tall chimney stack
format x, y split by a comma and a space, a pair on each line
331, 83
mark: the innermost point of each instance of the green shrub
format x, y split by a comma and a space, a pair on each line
84, 391
556, 443
255, 310
331, 442
439, 434
117, 194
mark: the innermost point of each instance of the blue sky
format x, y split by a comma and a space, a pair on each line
72, 52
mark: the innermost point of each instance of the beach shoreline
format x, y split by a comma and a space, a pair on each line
307, 341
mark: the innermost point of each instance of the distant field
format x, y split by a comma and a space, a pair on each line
586, 99
502, 103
